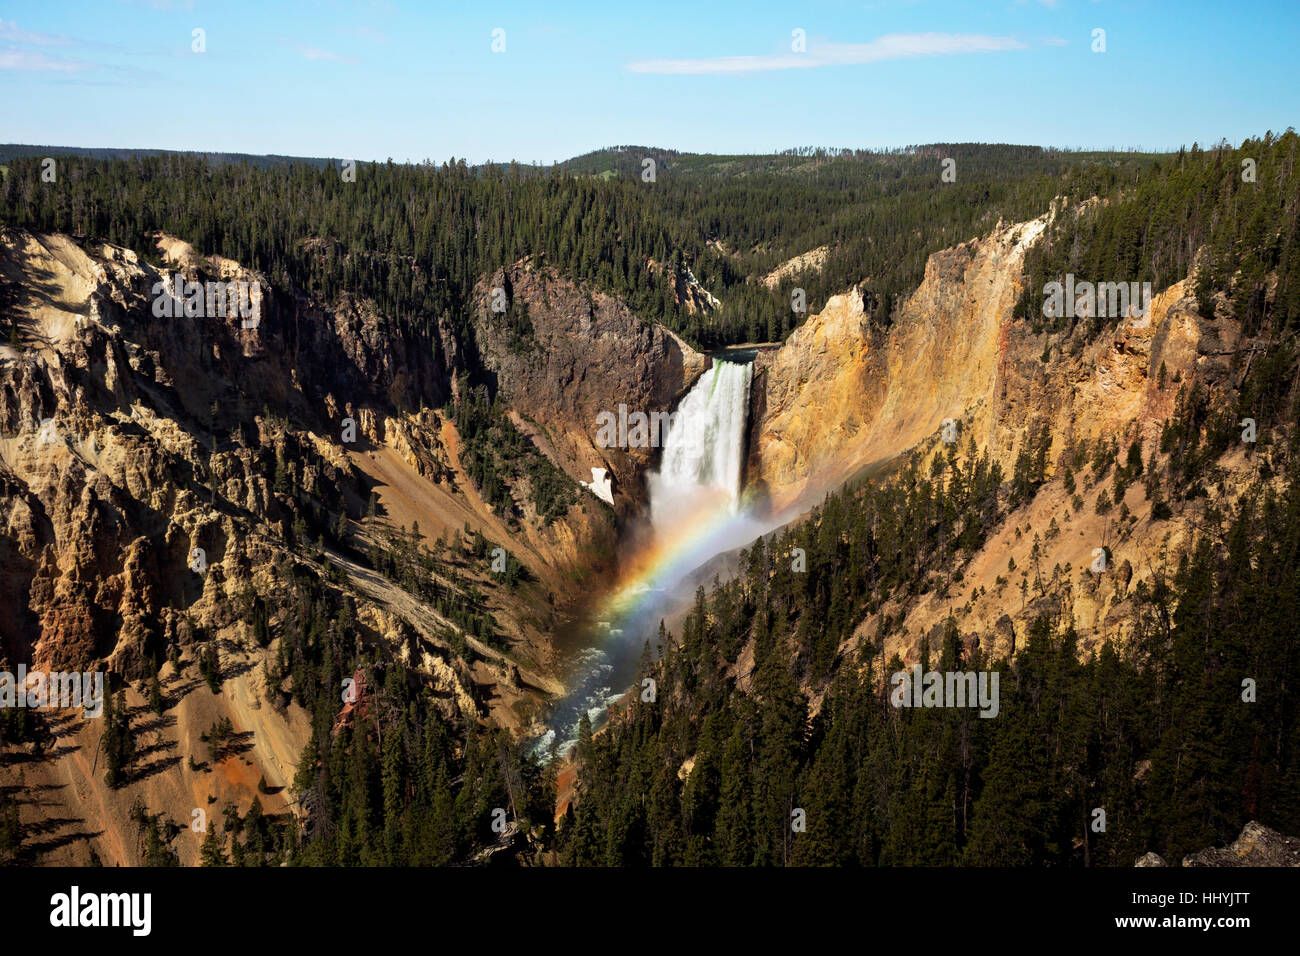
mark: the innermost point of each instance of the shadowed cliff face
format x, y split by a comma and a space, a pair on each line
129, 439
586, 354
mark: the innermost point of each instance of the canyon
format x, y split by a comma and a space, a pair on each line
198, 432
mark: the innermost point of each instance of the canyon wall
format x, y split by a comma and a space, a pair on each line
587, 354
129, 439
840, 398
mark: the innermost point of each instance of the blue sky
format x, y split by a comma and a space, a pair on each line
372, 80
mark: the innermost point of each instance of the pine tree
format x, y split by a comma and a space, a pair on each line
212, 851
156, 702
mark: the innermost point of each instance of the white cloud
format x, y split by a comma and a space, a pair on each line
38, 62
316, 53
895, 46
369, 34
12, 33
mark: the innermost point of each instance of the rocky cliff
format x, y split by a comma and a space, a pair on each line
1258, 845
839, 395
168, 480
584, 353
841, 398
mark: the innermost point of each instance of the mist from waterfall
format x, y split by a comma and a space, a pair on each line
696, 512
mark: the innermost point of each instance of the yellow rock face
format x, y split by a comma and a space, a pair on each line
840, 396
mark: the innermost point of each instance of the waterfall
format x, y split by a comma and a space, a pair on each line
704, 450
695, 514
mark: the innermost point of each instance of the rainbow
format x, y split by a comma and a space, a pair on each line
696, 513
649, 586
647, 590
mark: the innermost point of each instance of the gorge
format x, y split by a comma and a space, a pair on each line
403, 495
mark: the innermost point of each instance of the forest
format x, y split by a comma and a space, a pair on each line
1233, 213
1156, 732
416, 238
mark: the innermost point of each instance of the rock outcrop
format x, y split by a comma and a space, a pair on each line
839, 396
133, 438
842, 399
811, 261
1257, 846
586, 354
